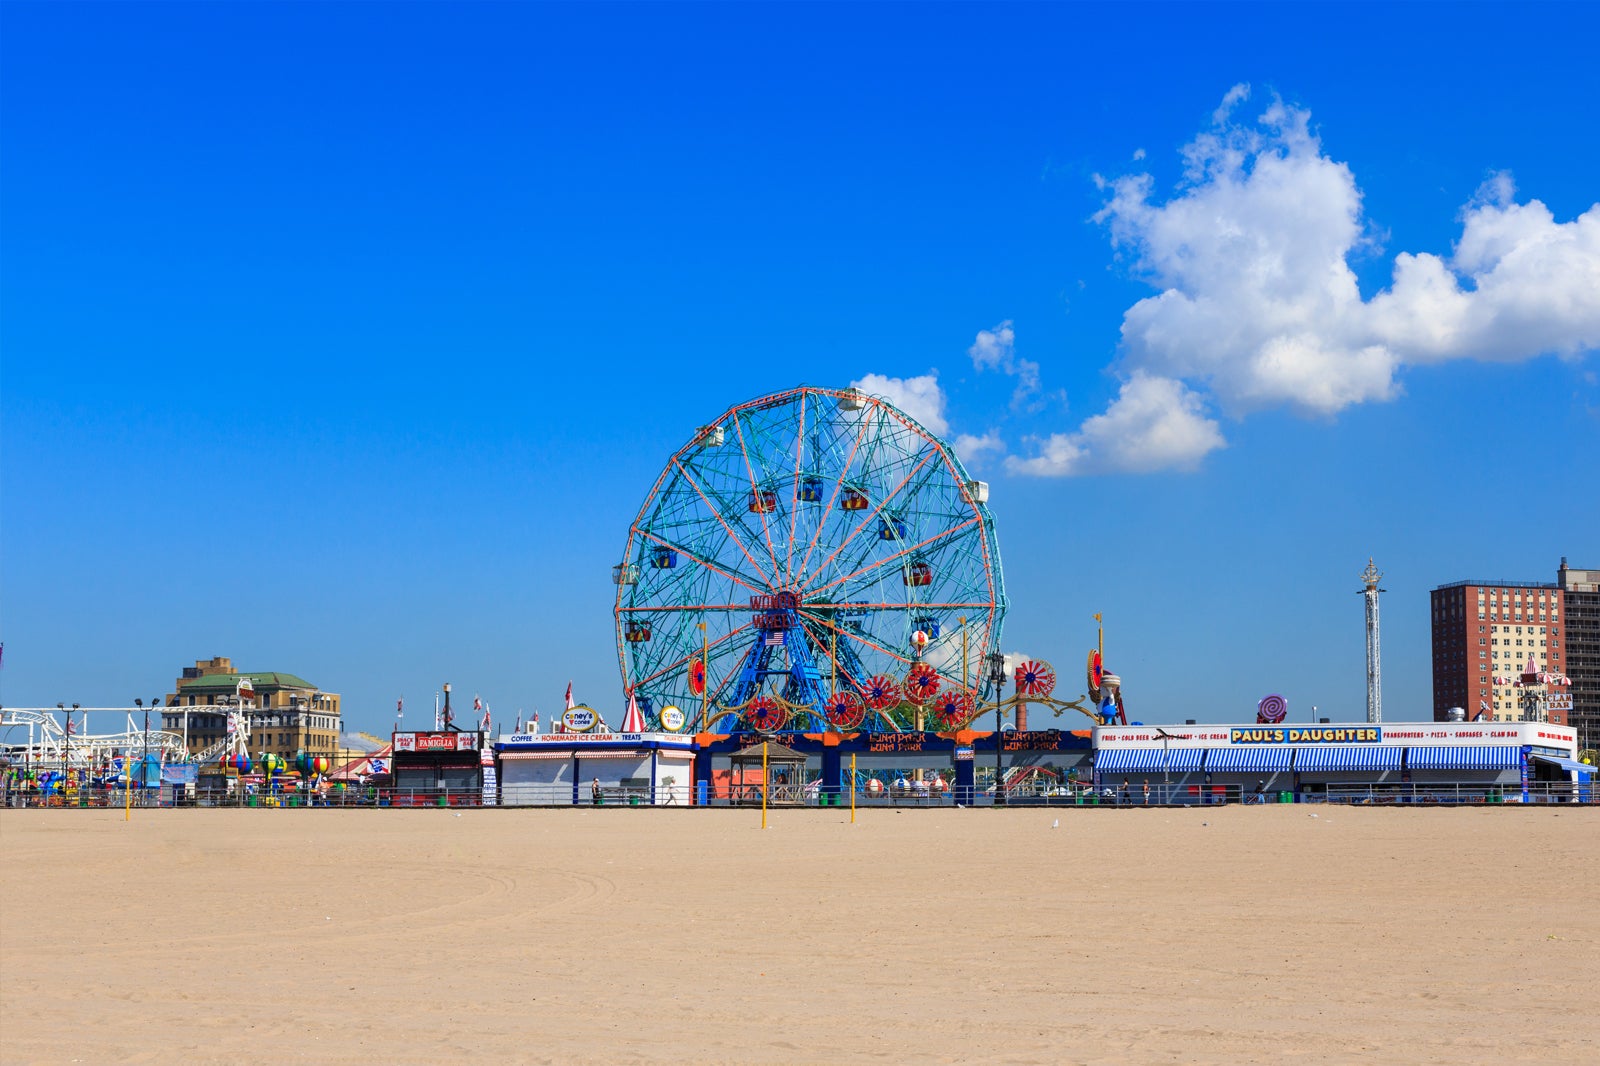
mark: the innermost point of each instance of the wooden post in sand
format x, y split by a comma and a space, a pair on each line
766, 784
852, 788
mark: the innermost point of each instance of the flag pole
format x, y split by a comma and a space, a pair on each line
765, 784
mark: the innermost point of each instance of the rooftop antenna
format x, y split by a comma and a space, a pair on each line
1370, 578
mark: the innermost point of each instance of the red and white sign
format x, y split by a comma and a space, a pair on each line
443, 741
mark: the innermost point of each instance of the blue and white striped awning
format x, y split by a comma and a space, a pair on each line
1499, 757
1147, 760
1582, 769
1242, 759
1335, 757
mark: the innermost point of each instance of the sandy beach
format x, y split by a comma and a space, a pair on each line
1233, 935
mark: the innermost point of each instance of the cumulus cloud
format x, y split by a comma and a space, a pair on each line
972, 450
996, 349
920, 397
1155, 423
1258, 306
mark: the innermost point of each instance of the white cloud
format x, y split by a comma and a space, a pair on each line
1258, 305
1154, 424
920, 397
973, 449
996, 349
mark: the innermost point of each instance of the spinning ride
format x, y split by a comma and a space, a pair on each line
797, 559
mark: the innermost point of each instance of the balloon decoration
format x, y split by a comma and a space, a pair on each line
302, 762
880, 692
954, 709
845, 710
919, 639
763, 712
1272, 709
922, 683
1035, 678
320, 764
239, 761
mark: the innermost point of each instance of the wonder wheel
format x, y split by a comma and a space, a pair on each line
786, 556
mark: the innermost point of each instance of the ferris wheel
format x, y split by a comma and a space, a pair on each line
806, 560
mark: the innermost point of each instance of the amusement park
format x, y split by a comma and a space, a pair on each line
808, 611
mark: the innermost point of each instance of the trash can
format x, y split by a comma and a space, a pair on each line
444, 801
1286, 797
633, 801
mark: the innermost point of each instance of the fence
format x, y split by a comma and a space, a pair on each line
1157, 795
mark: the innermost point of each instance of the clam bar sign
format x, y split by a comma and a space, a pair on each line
419, 742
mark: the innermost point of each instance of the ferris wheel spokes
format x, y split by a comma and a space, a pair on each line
717, 513
756, 491
838, 487
902, 553
868, 521
707, 563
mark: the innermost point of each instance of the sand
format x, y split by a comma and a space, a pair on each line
1262, 934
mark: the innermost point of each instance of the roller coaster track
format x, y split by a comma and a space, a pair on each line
47, 740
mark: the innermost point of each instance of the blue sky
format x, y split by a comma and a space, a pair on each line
347, 340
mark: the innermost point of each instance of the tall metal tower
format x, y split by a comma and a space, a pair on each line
1370, 578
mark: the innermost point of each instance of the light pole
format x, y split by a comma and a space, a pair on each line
65, 758
137, 702
996, 665
69, 747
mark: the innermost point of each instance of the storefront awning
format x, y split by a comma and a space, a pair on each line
1499, 757
1582, 769
1248, 760
1337, 757
1148, 760
562, 754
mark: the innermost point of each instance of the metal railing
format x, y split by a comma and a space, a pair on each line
1433, 794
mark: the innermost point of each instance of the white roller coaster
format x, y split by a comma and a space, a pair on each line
48, 743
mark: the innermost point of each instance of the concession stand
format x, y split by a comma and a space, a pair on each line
593, 765
438, 768
1418, 761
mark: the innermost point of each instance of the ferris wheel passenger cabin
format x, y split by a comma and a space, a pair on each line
810, 490
764, 501
891, 528
664, 558
918, 574
855, 499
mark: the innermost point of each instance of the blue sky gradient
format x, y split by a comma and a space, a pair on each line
347, 339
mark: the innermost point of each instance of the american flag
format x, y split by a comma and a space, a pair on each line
773, 639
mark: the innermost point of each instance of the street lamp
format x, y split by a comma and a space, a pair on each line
995, 664
66, 756
69, 751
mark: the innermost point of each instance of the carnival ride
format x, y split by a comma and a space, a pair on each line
818, 560
812, 559
49, 743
